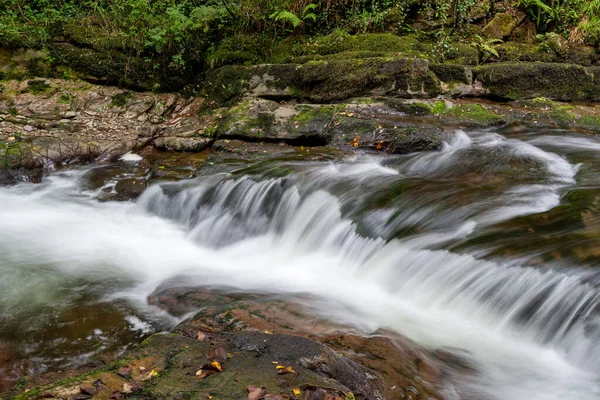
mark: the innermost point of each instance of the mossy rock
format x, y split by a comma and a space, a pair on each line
514, 81
116, 68
336, 80
473, 115
462, 54
500, 26
263, 120
451, 73
225, 86
409, 108
511, 51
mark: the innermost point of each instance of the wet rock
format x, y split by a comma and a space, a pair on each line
182, 144
14, 176
130, 188
264, 120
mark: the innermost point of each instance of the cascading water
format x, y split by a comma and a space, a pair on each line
370, 240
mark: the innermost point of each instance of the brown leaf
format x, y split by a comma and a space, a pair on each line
201, 336
124, 371
255, 393
88, 389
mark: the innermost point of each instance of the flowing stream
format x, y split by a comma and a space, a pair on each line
490, 247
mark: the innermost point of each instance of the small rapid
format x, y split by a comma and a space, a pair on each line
368, 239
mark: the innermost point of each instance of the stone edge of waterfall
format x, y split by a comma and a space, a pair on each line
252, 339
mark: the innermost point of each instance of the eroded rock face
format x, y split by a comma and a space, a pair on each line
53, 123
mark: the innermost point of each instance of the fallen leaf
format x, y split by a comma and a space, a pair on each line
142, 369
217, 366
88, 389
267, 332
127, 388
150, 375
286, 370
296, 392
203, 373
124, 371
255, 393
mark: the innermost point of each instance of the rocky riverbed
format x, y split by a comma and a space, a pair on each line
256, 347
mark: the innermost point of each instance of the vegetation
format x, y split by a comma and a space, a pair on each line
184, 37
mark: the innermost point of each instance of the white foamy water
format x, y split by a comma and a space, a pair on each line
532, 334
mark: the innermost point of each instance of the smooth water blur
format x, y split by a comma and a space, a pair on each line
487, 246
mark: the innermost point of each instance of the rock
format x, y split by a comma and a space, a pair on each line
14, 176
514, 81
453, 73
182, 144
480, 9
416, 140
130, 188
265, 120
500, 26
325, 81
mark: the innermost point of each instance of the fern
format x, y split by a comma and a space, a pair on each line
286, 17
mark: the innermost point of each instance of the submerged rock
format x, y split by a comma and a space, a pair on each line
130, 188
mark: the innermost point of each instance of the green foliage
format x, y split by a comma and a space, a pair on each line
485, 48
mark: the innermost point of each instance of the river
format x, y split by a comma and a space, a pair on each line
489, 247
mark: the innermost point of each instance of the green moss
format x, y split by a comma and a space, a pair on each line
439, 107
474, 114
514, 81
414, 109
500, 26
37, 86
511, 51
336, 80
541, 102
121, 99
66, 98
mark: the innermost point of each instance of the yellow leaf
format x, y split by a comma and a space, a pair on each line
267, 332
216, 365
286, 370
280, 367
296, 391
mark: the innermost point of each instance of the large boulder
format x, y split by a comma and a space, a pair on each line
514, 81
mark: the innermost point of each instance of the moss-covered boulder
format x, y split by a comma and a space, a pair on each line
515, 81
258, 119
336, 80
500, 26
